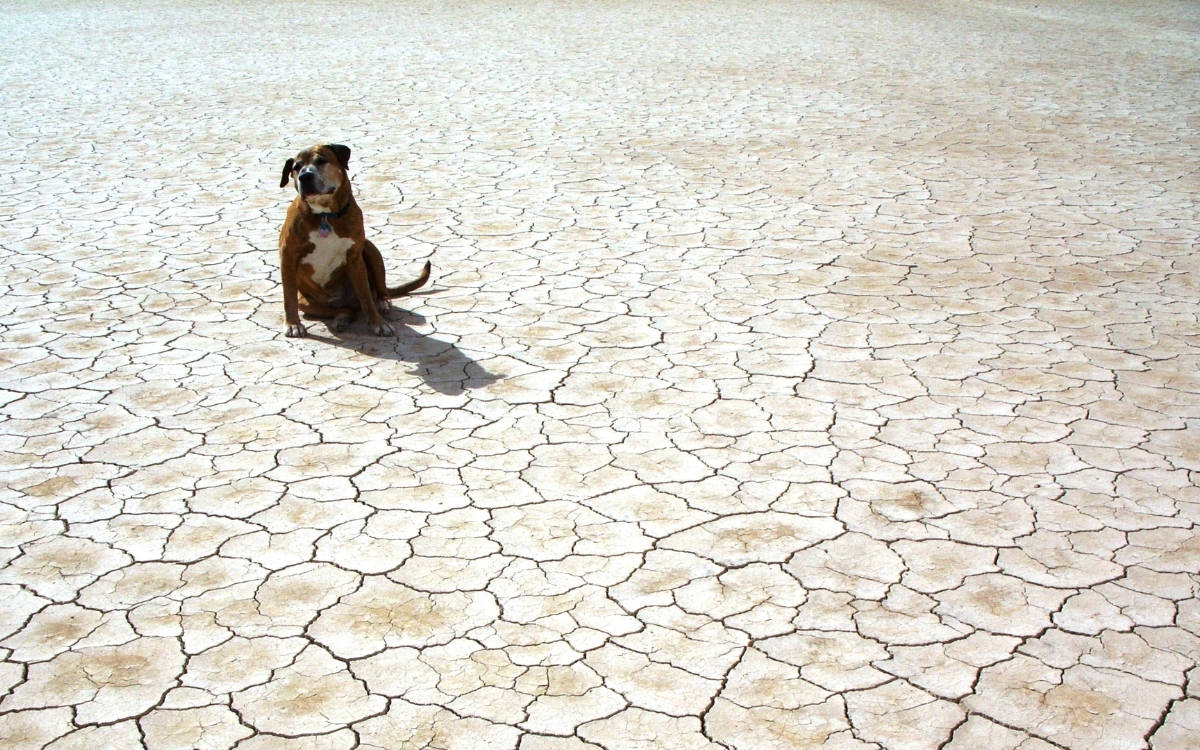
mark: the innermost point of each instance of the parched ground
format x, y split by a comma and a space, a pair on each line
794, 374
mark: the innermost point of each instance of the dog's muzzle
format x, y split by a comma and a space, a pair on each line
308, 181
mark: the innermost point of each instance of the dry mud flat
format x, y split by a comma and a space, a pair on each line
795, 375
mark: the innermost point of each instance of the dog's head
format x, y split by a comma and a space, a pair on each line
318, 172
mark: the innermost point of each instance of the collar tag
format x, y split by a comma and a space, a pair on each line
325, 227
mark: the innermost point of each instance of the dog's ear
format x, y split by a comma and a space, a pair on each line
287, 172
342, 153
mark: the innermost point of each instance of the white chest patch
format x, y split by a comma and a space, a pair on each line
328, 254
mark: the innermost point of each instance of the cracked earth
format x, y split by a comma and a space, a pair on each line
793, 375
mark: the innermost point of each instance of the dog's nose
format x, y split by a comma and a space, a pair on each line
308, 173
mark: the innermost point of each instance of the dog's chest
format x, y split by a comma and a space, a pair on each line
327, 256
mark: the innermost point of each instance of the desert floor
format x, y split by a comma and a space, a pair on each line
794, 374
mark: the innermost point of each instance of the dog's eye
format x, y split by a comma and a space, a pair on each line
318, 162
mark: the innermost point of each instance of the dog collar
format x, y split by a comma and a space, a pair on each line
326, 228
334, 214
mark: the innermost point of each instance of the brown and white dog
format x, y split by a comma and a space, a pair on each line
330, 269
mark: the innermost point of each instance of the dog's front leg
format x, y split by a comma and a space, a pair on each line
291, 311
357, 270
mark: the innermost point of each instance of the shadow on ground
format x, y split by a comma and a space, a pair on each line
441, 364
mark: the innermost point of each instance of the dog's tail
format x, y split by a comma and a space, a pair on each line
417, 283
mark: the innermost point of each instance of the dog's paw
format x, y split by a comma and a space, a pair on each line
383, 305
297, 331
341, 323
383, 328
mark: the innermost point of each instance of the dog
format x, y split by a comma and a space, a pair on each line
329, 268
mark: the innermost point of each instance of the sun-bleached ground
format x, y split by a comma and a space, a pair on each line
794, 375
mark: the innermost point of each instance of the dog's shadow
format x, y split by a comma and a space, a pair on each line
442, 365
